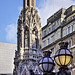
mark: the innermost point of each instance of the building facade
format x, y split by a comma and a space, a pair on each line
7, 54
60, 27
28, 40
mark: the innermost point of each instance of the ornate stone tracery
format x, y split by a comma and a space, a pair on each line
26, 37
35, 37
28, 40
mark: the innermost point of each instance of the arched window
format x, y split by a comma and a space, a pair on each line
27, 2
26, 38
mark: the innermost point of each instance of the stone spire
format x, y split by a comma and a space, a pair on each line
28, 40
23, 10
29, 3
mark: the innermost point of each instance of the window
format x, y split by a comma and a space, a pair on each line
49, 30
69, 29
52, 39
44, 43
66, 31
53, 27
48, 41
45, 33
69, 44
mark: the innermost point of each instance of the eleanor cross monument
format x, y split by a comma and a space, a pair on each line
29, 40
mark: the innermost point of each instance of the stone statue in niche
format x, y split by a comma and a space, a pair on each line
34, 39
26, 38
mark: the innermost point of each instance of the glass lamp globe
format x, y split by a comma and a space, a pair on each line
63, 56
46, 64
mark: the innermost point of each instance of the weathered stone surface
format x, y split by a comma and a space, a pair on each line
28, 40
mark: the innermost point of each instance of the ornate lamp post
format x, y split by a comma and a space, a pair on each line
47, 64
63, 58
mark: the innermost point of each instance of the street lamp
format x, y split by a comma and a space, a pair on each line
63, 58
46, 64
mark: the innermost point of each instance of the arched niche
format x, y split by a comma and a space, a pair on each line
19, 43
27, 2
26, 37
34, 38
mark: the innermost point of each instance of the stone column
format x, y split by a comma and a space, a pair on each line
22, 38
30, 38
34, 3
25, 3
39, 37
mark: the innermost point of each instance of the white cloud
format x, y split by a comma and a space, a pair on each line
48, 7
11, 33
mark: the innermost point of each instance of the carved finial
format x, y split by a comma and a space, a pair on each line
47, 53
63, 45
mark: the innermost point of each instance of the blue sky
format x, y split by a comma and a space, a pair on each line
10, 10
